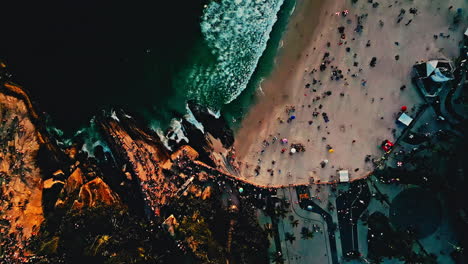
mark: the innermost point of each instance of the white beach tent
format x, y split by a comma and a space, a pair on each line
405, 119
431, 66
344, 175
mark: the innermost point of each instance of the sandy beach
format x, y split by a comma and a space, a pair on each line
360, 101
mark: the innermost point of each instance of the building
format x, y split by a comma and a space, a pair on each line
344, 175
405, 119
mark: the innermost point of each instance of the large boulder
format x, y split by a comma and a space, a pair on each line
74, 182
185, 150
93, 193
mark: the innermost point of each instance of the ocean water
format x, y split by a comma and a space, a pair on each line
235, 35
238, 108
80, 58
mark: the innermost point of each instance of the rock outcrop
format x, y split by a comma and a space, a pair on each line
77, 194
94, 193
74, 182
69, 186
144, 156
160, 175
20, 177
26, 154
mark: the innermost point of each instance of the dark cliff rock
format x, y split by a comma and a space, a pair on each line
199, 142
48, 147
217, 127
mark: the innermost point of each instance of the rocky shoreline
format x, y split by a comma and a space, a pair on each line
139, 179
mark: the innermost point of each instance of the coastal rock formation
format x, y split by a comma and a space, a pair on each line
93, 193
185, 150
79, 194
26, 156
21, 211
74, 182
144, 158
49, 183
161, 175
216, 126
64, 205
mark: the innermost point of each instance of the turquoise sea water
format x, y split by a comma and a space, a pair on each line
239, 44
235, 35
236, 110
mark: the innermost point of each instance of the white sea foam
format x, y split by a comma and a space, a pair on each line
216, 114
114, 116
58, 134
178, 131
293, 9
161, 136
191, 119
92, 138
236, 33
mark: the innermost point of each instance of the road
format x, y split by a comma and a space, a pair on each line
304, 203
350, 205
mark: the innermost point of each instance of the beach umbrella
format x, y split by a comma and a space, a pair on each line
241, 190
331, 150
431, 66
293, 117
404, 108
293, 150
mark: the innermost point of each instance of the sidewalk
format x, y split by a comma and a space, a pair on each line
312, 250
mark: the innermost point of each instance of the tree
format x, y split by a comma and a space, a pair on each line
381, 197
289, 237
277, 258
103, 234
268, 229
295, 223
306, 233
200, 239
281, 212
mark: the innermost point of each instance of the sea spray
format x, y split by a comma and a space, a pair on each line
88, 135
92, 137
192, 120
236, 35
175, 133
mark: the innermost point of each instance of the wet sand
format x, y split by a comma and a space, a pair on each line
365, 114
275, 89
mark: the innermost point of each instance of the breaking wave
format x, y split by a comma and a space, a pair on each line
236, 34
191, 119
